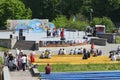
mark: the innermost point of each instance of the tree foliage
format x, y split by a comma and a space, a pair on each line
13, 9
60, 21
63, 22
50, 9
104, 21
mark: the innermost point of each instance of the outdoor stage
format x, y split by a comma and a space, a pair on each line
74, 37
41, 36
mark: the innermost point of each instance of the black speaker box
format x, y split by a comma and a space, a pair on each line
20, 32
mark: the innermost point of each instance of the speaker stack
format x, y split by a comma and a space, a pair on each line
21, 37
20, 32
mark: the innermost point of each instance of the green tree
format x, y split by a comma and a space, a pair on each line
108, 8
60, 21
104, 21
13, 9
79, 25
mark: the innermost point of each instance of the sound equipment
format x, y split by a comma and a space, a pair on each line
20, 32
11, 36
21, 37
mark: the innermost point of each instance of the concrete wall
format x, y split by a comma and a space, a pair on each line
99, 41
5, 43
26, 45
8, 43
107, 36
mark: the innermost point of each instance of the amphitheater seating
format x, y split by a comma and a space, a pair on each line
72, 59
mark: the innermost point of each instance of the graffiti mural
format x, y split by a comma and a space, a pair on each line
35, 25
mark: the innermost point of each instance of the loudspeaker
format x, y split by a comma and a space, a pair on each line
11, 36
20, 32
21, 37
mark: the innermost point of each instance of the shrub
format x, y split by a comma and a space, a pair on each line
118, 39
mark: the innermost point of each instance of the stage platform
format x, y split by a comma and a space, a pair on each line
74, 36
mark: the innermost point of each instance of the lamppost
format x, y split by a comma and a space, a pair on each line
91, 11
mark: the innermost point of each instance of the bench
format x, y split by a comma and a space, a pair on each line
35, 72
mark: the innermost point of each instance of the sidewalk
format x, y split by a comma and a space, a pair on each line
22, 75
105, 49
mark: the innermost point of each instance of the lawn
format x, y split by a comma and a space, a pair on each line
81, 67
70, 63
3, 48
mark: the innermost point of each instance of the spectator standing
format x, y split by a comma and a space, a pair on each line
17, 52
92, 46
32, 58
5, 58
24, 61
62, 35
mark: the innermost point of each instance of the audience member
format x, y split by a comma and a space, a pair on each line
118, 49
5, 57
64, 52
75, 51
60, 51
42, 55
113, 58
100, 52
71, 52
80, 51
88, 54
24, 61
48, 69
32, 58
17, 52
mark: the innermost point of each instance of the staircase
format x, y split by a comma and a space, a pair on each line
25, 45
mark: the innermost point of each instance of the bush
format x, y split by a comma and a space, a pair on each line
79, 25
104, 21
60, 21
118, 39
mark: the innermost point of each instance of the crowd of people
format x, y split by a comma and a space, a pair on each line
115, 54
53, 32
17, 61
86, 53
45, 54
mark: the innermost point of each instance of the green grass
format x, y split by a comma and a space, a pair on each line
1, 60
3, 48
81, 67
118, 39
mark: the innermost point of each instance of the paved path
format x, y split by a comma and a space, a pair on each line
22, 75
105, 49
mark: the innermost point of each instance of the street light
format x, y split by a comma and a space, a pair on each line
91, 11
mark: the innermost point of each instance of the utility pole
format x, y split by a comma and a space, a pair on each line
91, 14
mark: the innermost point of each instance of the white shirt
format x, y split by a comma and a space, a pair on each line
17, 52
24, 59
